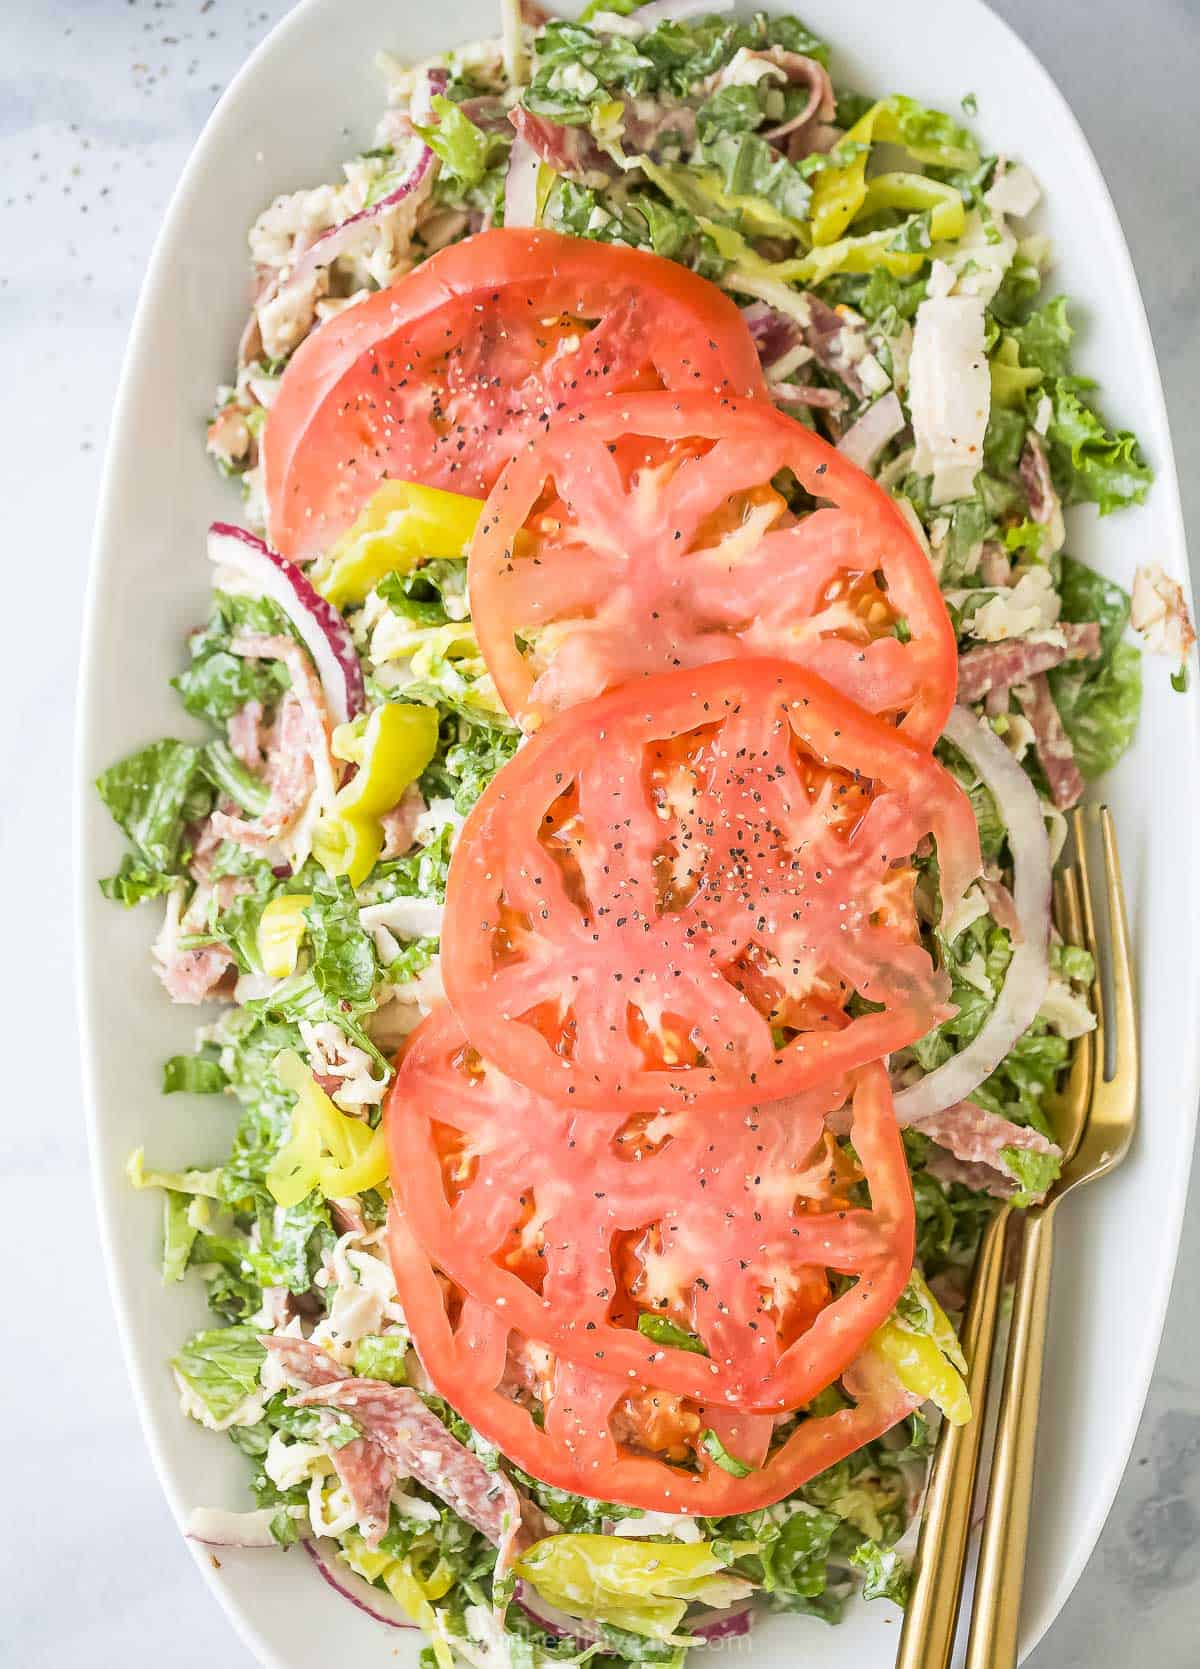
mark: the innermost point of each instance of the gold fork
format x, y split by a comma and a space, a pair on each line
1107, 1134
930, 1623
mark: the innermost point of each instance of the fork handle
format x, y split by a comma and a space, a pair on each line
931, 1616
996, 1615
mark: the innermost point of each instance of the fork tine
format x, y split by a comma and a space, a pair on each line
1071, 919
1072, 1101
1099, 1042
1124, 1015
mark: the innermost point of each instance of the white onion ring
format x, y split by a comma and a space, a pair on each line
322, 629
361, 1593
521, 183
866, 438
1028, 973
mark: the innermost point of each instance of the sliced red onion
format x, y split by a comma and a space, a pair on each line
222, 1529
866, 438
333, 243
322, 629
433, 84
549, 1617
800, 69
775, 334
521, 184
724, 1625
674, 11
1028, 973
361, 1593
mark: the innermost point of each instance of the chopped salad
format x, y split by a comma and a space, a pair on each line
601, 297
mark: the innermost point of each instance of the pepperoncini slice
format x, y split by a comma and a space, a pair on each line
644, 1587
391, 750
1011, 380
281, 928
922, 1348
917, 194
402, 523
410, 1592
327, 1149
838, 193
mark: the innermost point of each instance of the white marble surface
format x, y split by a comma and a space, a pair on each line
100, 101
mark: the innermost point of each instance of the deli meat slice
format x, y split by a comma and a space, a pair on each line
365, 1469
302, 1363
569, 150
1053, 745
418, 1444
974, 1139
367, 1473
980, 1179
996, 666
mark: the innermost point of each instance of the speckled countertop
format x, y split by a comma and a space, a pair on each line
100, 101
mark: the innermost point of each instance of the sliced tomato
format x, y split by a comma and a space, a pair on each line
690, 1251
654, 532
444, 375
599, 1435
697, 890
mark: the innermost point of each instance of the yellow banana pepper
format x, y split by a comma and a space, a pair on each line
838, 192
391, 750
402, 523
928, 1361
327, 1149
644, 1587
281, 928
411, 1592
1011, 380
916, 194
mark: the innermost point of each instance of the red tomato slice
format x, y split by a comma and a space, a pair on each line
726, 1230
696, 890
650, 533
441, 377
605, 1437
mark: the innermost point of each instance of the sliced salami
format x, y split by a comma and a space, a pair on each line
416, 1441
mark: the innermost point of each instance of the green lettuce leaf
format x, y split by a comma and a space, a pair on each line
217, 683
433, 594
1100, 708
1044, 339
152, 795
229, 776
134, 882
885, 1574
733, 109
751, 171
465, 151
1093, 463
1099, 701
930, 135
664, 1331
179, 1234
1034, 1171
1087, 595
343, 955
221, 1367
193, 1074
381, 1356
209, 1183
